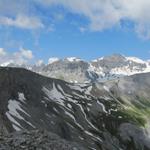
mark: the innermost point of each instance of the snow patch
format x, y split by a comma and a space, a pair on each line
127, 71
102, 105
52, 60
13, 106
54, 94
12, 113
16, 127
106, 88
76, 87
72, 59
88, 90
135, 59
96, 60
12, 119
21, 97
98, 70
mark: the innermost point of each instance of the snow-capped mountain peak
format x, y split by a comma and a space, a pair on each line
52, 60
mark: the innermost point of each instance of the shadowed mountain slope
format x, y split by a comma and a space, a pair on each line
107, 116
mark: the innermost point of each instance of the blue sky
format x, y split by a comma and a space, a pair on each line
82, 28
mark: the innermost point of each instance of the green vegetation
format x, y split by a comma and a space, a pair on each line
135, 115
137, 112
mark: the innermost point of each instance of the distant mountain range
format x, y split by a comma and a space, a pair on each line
79, 71
112, 115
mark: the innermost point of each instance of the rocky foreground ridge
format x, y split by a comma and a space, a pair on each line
35, 140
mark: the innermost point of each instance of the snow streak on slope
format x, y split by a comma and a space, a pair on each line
21, 97
14, 107
59, 96
54, 94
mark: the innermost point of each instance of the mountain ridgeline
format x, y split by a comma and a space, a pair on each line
112, 115
75, 70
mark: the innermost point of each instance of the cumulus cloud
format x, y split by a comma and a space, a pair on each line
19, 13
20, 57
22, 21
101, 14
104, 14
25, 53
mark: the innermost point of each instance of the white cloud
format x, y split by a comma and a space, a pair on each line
104, 14
20, 14
22, 21
101, 14
23, 56
2, 52
39, 62
26, 53
20, 57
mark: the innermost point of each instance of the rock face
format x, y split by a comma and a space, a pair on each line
106, 68
78, 71
75, 71
110, 115
39, 140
